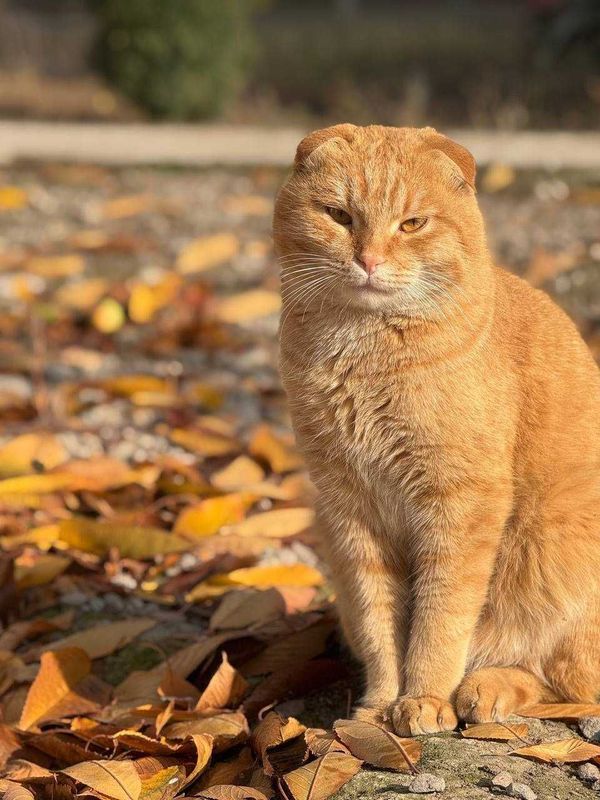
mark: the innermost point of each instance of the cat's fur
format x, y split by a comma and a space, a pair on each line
450, 418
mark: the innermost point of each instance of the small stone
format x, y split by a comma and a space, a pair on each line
74, 599
522, 791
596, 786
589, 727
502, 781
96, 604
113, 602
588, 773
426, 783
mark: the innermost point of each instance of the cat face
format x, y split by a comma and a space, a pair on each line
382, 219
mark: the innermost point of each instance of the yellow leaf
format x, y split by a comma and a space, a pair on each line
204, 442
279, 524
208, 517
250, 205
39, 569
108, 316
128, 206
19, 455
321, 778
497, 731
55, 266
497, 176
248, 306
274, 449
12, 198
54, 692
225, 689
118, 780
207, 252
239, 474
163, 785
81, 295
132, 541
275, 575
129, 385
34, 484
44, 536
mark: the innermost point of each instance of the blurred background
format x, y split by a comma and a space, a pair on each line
494, 63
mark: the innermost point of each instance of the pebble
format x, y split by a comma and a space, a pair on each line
502, 781
522, 791
589, 727
113, 602
95, 604
425, 783
74, 599
588, 773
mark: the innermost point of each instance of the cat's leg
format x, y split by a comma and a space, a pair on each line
573, 669
372, 594
493, 693
453, 561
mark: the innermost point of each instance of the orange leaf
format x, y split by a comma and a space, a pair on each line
565, 751
320, 779
567, 712
496, 731
378, 746
273, 448
225, 689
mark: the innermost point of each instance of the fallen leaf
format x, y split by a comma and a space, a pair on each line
227, 729
241, 473
24, 453
234, 770
565, 751
14, 791
206, 252
496, 731
225, 689
247, 607
497, 177
320, 742
13, 198
203, 743
9, 744
63, 687
104, 639
272, 732
247, 306
227, 792
566, 712
208, 516
55, 266
378, 746
274, 449
205, 443
273, 575
322, 778
82, 295
108, 316
115, 779
11, 667
132, 541
164, 784
280, 523
38, 569
128, 206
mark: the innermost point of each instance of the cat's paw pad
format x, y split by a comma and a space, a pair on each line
413, 716
483, 699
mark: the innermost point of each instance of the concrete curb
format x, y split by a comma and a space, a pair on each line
204, 145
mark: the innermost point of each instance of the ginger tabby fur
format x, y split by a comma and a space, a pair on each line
450, 418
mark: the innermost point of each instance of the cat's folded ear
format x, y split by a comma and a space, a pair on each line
311, 143
461, 157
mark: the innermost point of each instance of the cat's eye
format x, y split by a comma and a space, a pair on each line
339, 215
413, 224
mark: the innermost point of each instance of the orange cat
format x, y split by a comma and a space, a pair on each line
450, 418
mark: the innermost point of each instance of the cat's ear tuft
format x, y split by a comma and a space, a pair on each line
316, 139
455, 152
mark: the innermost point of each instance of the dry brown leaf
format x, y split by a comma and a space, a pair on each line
63, 748
22, 454
273, 575
274, 449
228, 792
208, 516
378, 746
226, 689
321, 778
207, 252
204, 443
288, 652
232, 770
104, 639
164, 784
19, 769
14, 791
496, 731
37, 569
132, 541
118, 780
565, 751
203, 743
63, 687
247, 306
272, 732
320, 742
18, 632
566, 712
247, 607
227, 729
11, 667
241, 473
279, 524
9, 744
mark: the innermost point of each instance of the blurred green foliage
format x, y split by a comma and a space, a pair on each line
179, 59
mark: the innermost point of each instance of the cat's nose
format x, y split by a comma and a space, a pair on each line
369, 261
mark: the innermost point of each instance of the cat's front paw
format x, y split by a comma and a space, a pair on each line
378, 716
413, 716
